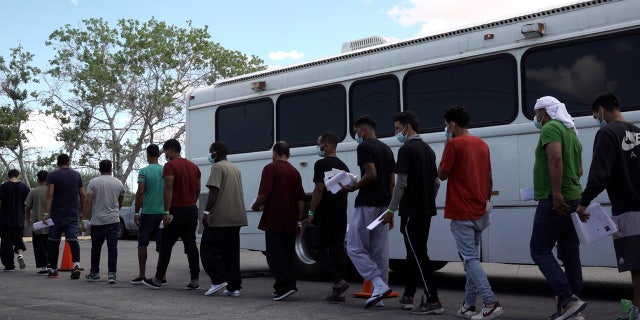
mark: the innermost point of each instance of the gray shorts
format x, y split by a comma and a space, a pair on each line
627, 241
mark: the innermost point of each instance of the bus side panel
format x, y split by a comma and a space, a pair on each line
200, 134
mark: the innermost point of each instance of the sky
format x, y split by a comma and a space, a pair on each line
281, 32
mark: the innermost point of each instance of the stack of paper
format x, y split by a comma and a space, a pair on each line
597, 227
334, 178
41, 225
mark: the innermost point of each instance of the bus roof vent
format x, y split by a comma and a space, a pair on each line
365, 43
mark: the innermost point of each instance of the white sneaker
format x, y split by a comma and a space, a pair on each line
489, 311
466, 313
215, 288
377, 296
380, 304
228, 293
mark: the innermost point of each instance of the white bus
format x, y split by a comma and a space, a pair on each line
497, 70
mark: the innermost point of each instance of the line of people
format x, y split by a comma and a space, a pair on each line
167, 196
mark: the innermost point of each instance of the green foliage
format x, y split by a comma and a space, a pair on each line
119, 88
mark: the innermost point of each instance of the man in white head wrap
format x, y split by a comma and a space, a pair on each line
556, 183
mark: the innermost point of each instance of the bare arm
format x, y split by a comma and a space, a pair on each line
167, 193
443, 175
490, 191
258, 203
316, 197
83, 196
139, 196
370, 175
556, 169
120, 198
49, 198
212, 198
88, 201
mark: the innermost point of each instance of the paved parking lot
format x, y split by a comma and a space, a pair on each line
26, 295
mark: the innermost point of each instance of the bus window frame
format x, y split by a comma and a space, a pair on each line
352, 119
244, 103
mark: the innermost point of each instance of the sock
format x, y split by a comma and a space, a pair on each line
19, 256
76, 264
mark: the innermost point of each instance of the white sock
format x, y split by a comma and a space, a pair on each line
76, 264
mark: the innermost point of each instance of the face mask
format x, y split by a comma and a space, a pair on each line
447, 134
537, 123
602, 123
319, 152
402, 138
358, 138
212, 157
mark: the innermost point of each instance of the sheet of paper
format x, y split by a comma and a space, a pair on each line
41, 225
376, 222
526, 194
597, 227
333, 183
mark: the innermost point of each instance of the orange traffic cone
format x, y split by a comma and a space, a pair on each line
67, 263
367, 290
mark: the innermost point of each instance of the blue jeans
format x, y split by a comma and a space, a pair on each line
467, 234
68, 225
98, 234
554, 230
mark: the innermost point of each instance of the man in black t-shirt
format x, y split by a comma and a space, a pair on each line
414, 193
328, 213
369, 249
616, 167
13, 193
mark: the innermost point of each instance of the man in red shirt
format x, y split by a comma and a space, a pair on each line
467, 165
181, 192
282, 195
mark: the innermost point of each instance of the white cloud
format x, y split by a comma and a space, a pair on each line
74, 2
43, 131
438, 16
281, 55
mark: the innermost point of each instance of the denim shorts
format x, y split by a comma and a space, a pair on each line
149, 227
68, 225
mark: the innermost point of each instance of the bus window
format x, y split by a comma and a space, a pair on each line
379, 98
246, 127
577, 71
303, 116
487, 87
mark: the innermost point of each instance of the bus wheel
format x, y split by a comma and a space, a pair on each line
305, 262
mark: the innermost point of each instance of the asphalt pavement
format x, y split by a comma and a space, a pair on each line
26, 295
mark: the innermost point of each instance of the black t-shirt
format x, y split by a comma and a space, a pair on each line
377, 193
13, 196
418, 161
332, 207
616, 167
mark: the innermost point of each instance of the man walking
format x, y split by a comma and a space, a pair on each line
224, 215
556, 183
149, 208
64, 189
104, 199
34, 206
180, 220
466, 163
328, 215
282, 195
13, 193
415, 195
616, 168
369, 249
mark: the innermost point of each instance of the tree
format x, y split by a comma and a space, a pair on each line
14, 109
113, 90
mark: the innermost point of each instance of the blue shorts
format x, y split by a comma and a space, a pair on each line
68, 225
149, 227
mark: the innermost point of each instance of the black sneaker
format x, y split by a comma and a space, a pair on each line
406, 302
164, 282
151, 283
568, 307
53, 274
21, 262
9, 269
75, 273
192, 286
137, 280
336, 293
284, 295
428, 307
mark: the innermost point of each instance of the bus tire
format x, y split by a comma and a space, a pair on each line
305, 262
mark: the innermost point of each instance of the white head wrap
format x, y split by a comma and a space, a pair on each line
556, 110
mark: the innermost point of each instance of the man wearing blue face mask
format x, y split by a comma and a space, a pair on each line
616, 167
224, 215
328, 214
556, 183
369, 249
415, 192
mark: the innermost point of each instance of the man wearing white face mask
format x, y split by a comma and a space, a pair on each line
556, 183
414, 193
224, 215
616, 167
328, 214
369, 249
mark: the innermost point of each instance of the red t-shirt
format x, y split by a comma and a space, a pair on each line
281, 185
186, 181
467, 160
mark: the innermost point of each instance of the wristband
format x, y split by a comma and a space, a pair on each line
310, 213
166, 212
299, 224
390, 210
206, 212
136, 213
45, 214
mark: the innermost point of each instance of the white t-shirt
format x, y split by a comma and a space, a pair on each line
105, 209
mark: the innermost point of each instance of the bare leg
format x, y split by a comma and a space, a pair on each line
142, 261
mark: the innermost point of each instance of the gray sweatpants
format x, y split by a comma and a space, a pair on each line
369, 249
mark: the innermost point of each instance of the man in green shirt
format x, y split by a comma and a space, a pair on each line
150, 202
556, 183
